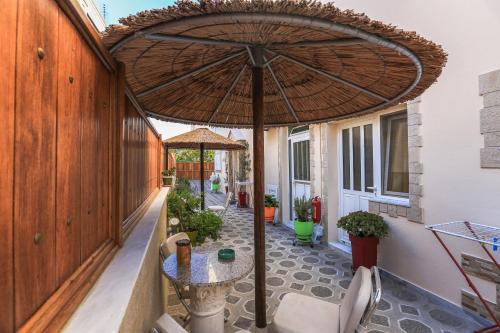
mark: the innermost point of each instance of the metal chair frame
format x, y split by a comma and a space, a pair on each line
374, 298
178, 292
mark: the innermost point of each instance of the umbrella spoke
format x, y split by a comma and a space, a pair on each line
223, 100
194, 40
282, 91
332, 77
189, 74
322, 43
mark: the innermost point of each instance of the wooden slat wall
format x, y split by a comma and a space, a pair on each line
35, 156
60, 142
8, 24
142, 149
191, 170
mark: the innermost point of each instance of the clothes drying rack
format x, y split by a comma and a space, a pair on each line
485, 236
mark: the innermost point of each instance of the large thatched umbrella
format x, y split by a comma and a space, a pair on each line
265, 63
202, 138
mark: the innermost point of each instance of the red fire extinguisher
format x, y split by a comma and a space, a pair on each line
316, 209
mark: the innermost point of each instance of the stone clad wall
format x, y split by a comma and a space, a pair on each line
489, 88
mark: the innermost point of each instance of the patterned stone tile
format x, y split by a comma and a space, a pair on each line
403, 307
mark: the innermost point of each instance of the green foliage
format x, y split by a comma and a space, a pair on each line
364, 224
182, 185
193, 155
244, 163
183, 205
302, 207
271, 201
207, 224
169, 172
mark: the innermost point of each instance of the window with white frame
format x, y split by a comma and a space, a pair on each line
394, 154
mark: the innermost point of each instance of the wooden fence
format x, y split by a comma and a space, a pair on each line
191, 170
84, 158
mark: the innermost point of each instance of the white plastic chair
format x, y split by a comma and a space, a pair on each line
320, 316
221, 210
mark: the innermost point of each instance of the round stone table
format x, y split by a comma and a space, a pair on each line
209, 280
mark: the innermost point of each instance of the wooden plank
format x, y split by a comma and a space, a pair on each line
8, 12
35, 159
89, 143
119, 153
102, 109
68, 152
54, 313
82, 23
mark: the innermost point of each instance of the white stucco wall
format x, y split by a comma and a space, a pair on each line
455, 187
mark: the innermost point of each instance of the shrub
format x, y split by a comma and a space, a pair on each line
364, 224
182, 185
207, 224
183, 205
271, 201
302, 207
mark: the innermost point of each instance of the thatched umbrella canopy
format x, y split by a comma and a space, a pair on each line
260, 63
202, 138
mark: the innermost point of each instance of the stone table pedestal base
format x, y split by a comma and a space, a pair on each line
207, 308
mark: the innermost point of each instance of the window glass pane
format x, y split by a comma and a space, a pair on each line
346, 163
395, 168
295, 158
307, 175
356, 157
368, 144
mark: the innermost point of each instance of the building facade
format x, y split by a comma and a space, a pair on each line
432, 160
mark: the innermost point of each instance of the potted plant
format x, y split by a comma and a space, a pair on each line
365, 229
183, 205
207, 224
168, 177
243, 170
303, 224
270, 205
215, 184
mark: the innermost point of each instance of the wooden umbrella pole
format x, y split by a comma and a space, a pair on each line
202, 175
258, 176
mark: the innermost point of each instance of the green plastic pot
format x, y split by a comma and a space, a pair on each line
303, 230
192, 236
214, 187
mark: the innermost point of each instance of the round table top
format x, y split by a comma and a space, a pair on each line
207, 270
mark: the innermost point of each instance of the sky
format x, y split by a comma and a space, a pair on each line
116, 9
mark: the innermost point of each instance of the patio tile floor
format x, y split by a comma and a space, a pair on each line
324, 273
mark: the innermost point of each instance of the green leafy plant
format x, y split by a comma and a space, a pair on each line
169, 172
207, 224
183, 205
182, 185
271, 201
364, 224
302, 207
243, 163
193, 155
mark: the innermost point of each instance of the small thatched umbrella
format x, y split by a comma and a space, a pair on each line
202, 138
265, 63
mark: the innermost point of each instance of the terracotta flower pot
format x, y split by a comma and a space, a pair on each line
269, 214
364, 251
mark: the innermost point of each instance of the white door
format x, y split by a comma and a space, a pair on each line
300, 173
356, 169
